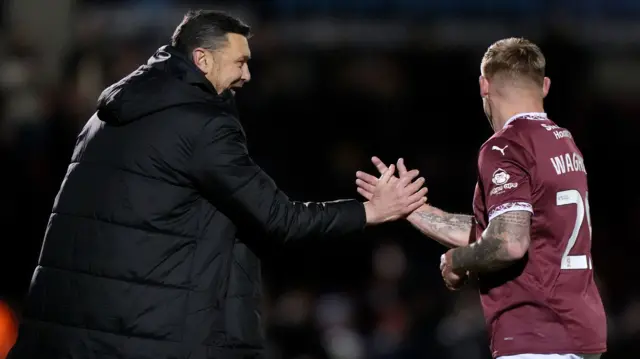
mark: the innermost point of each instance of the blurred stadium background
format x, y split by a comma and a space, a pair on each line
334, 82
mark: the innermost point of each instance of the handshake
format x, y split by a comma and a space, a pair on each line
389, 197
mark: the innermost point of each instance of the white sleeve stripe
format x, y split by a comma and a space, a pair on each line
510, 207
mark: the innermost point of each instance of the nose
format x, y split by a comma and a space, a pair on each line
246, 75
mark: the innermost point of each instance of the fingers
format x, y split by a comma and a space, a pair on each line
418, 197
453, 286
367, 178
365, 186
367, 195
408, 177
402, 169
382, 168
388, 174
415, 205
447, 282
415, 185
452, 281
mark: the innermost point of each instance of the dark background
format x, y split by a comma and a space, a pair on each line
335, 82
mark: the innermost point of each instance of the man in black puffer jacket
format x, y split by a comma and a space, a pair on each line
141, 257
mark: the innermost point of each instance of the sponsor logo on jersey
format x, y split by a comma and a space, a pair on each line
500, 177
504, 187
550, 127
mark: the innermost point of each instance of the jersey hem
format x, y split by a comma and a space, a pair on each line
497, 354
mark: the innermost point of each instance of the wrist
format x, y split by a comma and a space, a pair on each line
414, 215
454, 263
370, 213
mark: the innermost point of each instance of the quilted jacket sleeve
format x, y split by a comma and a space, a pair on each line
228, 177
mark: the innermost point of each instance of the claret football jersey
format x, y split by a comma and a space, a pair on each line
547, 302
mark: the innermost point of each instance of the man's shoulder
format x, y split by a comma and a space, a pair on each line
528, 132
206, 116
503, 145
498, 139
206, 111
519, 132
523, 136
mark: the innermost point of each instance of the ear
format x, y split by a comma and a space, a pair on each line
202, 59
484, 86
545, 86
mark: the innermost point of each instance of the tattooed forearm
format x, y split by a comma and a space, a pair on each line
446, 221
505, 240
453, 230
488, 254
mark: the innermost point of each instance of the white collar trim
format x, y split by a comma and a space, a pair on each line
536, 116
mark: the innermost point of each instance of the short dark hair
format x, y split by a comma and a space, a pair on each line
207, 29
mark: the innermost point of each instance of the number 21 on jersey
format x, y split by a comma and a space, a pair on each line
572, 196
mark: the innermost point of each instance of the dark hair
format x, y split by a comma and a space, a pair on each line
207, 29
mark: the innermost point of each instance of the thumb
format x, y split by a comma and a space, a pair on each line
380, 166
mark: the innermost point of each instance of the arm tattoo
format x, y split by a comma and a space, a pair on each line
446, 221
504, 241
452, 230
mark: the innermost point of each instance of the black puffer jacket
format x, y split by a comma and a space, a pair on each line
141, 258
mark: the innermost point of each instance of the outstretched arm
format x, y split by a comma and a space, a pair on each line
225, 174
451, 230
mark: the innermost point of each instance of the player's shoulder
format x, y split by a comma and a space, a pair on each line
509, 144
525, 128
520, 133
501, 144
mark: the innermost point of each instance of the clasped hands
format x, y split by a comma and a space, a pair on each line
373, 188
391, 197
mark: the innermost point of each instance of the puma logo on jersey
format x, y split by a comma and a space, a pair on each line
500, 149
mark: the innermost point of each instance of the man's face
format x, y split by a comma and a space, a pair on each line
226, 67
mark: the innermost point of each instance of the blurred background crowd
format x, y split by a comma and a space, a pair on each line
335, 82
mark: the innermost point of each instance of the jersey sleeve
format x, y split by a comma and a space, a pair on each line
503, 167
